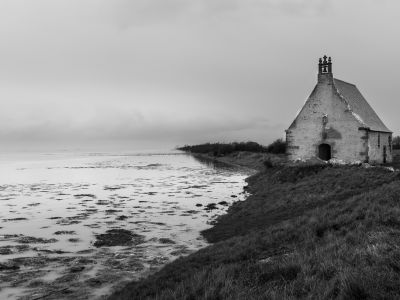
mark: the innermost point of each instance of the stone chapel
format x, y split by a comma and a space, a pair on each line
337, 122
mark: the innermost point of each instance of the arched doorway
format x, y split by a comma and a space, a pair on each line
324, 152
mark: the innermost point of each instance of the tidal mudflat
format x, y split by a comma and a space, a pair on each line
76, 226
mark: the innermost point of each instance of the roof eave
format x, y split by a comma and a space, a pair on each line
369, 129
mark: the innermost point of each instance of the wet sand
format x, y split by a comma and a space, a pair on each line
81, 226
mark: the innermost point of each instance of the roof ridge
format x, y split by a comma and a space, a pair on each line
344, 81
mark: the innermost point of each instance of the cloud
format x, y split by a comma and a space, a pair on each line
177, 70
128, 13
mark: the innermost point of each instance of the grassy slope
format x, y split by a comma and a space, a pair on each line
311, 231
250, 160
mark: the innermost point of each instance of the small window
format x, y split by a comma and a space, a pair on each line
379, 140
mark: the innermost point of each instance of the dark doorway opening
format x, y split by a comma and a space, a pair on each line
384, 154
324, 152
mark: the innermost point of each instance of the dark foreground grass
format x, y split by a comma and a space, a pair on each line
319, 232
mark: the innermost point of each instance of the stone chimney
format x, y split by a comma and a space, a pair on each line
325, 70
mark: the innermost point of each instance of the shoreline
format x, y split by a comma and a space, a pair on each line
251, 162
306, 231
95, 234
248, 160
227, 161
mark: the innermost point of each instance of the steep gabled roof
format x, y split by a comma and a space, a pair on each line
360, 108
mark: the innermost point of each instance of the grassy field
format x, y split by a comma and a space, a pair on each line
320, 232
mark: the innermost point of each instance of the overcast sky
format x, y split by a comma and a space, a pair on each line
134, 74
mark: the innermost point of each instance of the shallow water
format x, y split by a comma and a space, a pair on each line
52, 206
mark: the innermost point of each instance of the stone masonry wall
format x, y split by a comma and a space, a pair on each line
376, 149
325, 118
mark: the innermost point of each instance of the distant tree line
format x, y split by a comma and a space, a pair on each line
219, 149
396, 142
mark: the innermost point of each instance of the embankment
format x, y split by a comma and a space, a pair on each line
249, 160
320, 232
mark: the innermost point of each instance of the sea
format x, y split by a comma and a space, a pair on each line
79, 225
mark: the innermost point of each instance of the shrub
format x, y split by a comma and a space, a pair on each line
396, 142
220, 149
277, 147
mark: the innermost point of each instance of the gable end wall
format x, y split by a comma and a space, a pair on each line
342, 131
